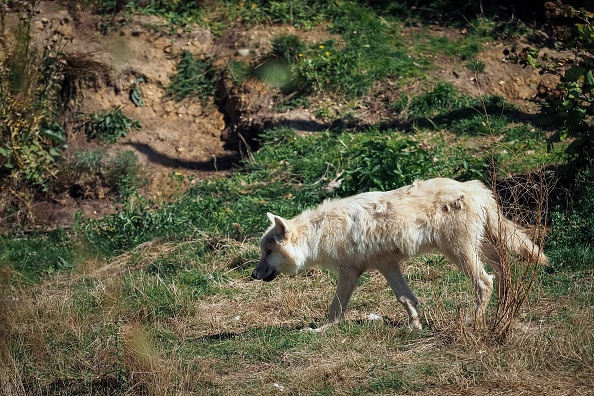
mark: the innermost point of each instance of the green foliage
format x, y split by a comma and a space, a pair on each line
135, 94
239, 71
478, 125
385, 162
121, 173
110, 126
36, 257
31, 139
372, 50
476, 66
90, 162
178, 13
287, 47
301, 14
444, 106
574, 107
444, 97
571, 242
195, 77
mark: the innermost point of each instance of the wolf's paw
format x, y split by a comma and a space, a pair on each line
415, 324
317, 329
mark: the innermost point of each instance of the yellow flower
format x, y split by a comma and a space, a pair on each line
327, 53
241, 4
254, 6
300, 54
321, 47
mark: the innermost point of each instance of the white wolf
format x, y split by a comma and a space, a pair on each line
377, 230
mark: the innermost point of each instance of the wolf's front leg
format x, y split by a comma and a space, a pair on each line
346, 284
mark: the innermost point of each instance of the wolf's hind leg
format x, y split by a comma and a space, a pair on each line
345, 286
405, 296
491, 256
468, 261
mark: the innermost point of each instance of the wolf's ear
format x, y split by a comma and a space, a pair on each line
278, 222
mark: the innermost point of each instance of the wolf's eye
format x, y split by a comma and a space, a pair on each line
268, 252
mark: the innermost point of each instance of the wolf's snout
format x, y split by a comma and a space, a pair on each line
255, 274
265, 273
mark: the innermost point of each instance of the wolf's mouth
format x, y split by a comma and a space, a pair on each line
266, 278
270, 277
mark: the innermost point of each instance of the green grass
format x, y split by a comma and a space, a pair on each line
33, 258
371, 50
194, 77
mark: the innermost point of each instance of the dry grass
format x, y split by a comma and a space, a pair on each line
82, 333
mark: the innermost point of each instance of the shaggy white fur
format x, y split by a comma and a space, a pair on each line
377, 230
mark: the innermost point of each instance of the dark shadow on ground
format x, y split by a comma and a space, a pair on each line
445, 120
225, 162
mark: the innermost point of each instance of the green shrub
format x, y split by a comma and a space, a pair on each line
31, 138
287, 47
195, 77
385, 162
239, 71
110, 126
573, 109
123, 173
36, 256
301, 14
88, 162
94, 168
371, 51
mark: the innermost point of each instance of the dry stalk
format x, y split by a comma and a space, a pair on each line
517, 279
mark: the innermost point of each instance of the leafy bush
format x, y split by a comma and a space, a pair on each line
194, 78
88, 162
36, 257
31, 139
573, 106
123, 173
239, 71
371, 51
385, 162
110, 126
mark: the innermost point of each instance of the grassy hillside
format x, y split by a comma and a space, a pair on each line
156, 299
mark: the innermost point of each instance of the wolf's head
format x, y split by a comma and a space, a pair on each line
276, 250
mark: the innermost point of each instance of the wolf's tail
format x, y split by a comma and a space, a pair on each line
503, 231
